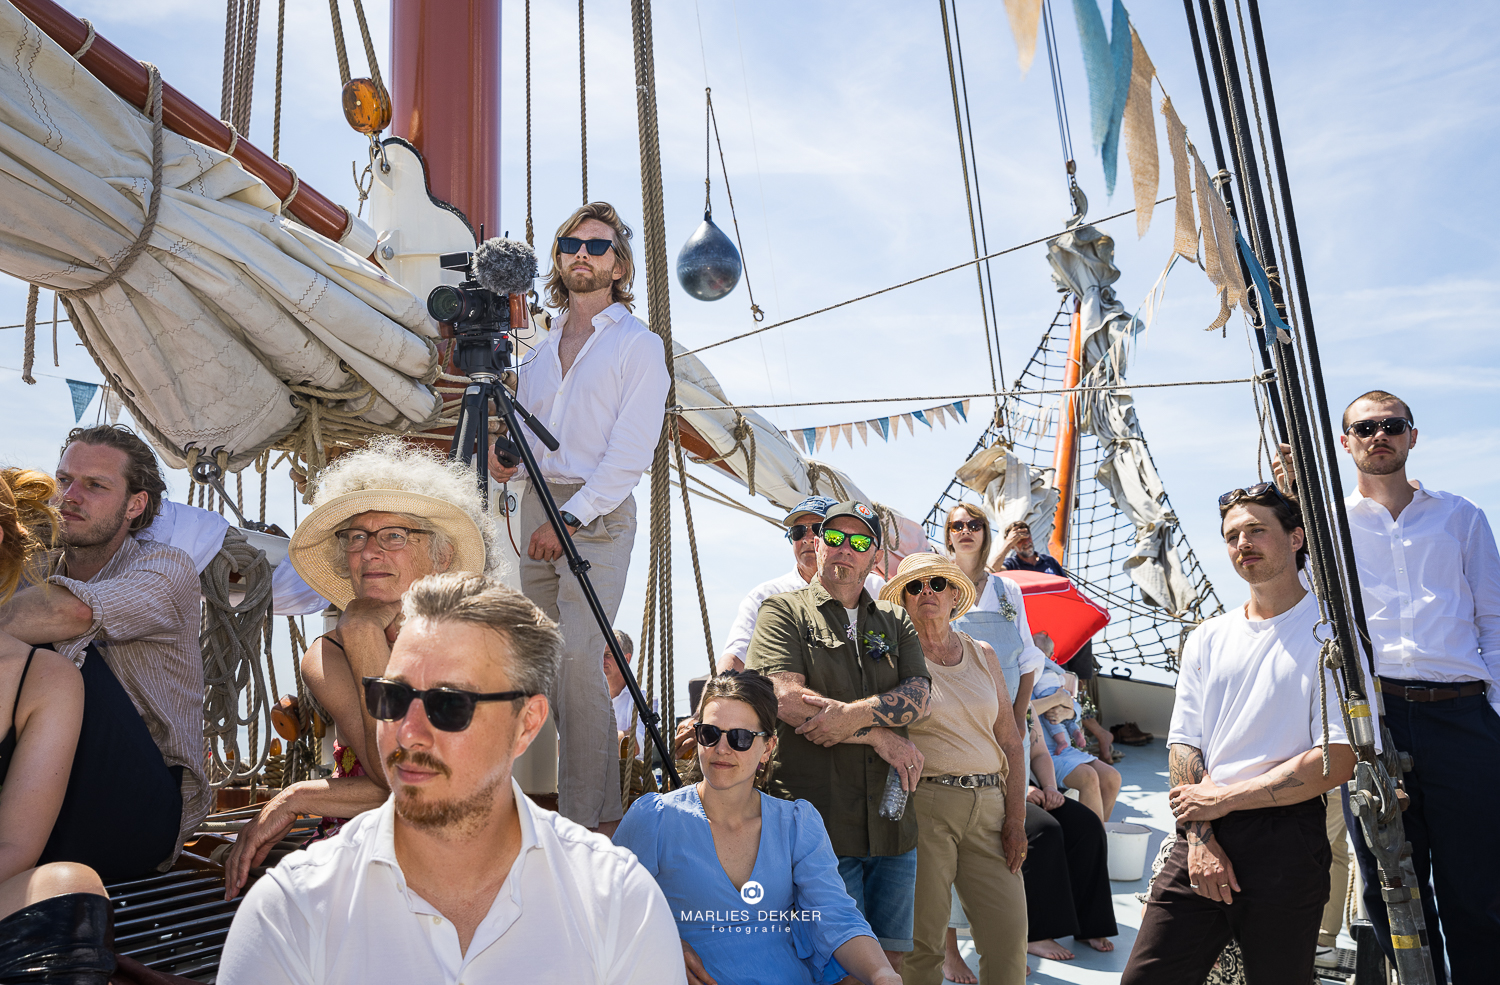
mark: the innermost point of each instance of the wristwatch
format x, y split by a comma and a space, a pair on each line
569, 519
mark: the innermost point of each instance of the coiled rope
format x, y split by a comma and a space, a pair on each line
232, 642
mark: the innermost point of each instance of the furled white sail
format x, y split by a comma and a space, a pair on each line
236, 328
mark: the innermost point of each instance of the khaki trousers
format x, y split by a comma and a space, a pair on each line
958, 847
1338, 873
588, 753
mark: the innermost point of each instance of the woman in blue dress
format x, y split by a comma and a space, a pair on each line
751, 879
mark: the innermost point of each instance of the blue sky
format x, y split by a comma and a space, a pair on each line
838, 129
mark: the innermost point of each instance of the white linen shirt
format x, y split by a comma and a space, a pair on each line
1032, 657
574, 909
737, 641
1247, 693
606, 413
624, 706
1431, 585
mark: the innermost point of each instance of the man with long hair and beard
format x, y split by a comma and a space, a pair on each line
458, 876
599, 384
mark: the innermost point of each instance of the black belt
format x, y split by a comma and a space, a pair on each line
1464, 690
969, 781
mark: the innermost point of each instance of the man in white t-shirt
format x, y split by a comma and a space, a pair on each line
1251, 859
803, 525
458, 877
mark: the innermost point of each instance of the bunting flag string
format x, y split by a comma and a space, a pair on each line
885, 428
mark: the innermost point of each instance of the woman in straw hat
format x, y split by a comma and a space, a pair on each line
971, 802
383, 517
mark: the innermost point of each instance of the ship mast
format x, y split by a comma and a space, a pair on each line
1065, 457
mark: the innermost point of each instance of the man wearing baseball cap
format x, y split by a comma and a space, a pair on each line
804, 525
850, 677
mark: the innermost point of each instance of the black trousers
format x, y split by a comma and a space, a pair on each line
1454, 787
123, 808
1067, 874
1280, 857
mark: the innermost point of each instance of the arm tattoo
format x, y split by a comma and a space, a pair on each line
1199, 832
1185, 764
903, 704
1287, 781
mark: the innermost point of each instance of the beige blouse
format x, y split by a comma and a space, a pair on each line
958, 736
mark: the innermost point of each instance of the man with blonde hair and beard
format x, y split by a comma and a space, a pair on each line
458, 877
599, 384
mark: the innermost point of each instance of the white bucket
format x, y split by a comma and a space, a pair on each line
1127, 850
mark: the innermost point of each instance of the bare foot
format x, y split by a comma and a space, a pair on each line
1099, 943
1050, 949
954, 967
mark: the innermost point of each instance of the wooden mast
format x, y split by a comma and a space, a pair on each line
1065, 458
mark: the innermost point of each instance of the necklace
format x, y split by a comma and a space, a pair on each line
942, 659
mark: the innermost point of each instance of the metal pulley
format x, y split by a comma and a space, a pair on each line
708, 265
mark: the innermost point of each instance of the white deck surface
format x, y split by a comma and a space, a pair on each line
1143, 800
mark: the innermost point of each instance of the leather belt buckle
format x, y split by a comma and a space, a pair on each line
969, 782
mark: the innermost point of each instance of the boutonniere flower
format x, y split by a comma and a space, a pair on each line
1007, 609
876, 647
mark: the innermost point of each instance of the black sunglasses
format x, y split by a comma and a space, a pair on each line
571, 244
448, 708
1261, 490
1390, 425
799, 530
860, 542
938, 583
740, 739
972, 526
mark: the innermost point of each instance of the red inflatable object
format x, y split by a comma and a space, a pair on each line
1055, 606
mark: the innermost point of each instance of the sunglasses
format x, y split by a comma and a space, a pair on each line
938, 583
1390, 425
972, 526
353, 540
860, 542
797, 531
740, 739
448, 708
571, 245
1261, 490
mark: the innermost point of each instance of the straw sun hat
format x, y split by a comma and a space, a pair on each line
916, 567
314, 549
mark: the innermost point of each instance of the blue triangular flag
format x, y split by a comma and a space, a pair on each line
958, 407
884, 423
809, 435
1107, 63
83, 395
921, 417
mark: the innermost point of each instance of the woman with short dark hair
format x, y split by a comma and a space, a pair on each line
752, 879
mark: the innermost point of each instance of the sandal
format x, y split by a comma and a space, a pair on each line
1130, 734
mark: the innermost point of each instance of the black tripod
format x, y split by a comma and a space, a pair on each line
484, 355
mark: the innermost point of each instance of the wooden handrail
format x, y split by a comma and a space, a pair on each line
127, 78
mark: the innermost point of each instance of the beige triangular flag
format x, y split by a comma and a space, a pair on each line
1185, 235
833, 436
1220, 258
864, 432
1024, 15
848, 434
822, 433
966, 409
910, 428
113, 404
1140, 135
939, 414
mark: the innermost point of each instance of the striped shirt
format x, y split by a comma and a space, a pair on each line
145, 604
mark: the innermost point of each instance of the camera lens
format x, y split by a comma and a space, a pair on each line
446, 303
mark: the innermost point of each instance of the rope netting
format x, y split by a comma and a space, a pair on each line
1101, 537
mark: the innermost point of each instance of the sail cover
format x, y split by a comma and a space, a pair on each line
237, 327
1083, 263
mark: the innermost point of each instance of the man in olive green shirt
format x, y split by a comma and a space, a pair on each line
850, 677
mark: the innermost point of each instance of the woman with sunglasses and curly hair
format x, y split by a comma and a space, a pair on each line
54, 918
752, 879
971, 802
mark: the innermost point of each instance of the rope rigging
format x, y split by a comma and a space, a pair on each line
711, 126
1059, 100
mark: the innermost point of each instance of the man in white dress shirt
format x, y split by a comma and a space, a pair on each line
599, 383
804, 524
1429, 575
459, 877
619, 695
1244, 752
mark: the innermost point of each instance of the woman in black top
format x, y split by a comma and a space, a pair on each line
54, 917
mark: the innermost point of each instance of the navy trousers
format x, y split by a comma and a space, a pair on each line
1454, 787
